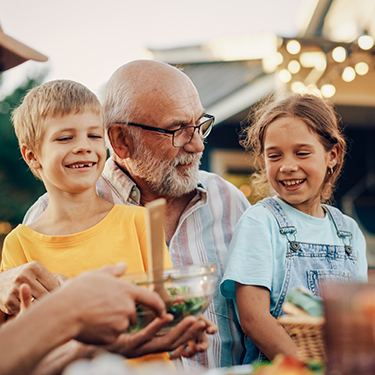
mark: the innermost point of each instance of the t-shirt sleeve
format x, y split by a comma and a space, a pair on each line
250, 259
12, 254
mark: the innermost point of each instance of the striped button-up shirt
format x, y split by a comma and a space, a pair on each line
202, 236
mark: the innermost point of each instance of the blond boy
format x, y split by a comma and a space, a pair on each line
60, 130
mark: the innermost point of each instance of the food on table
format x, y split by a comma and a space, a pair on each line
285, 365
182, 304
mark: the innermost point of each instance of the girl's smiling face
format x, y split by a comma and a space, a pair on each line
297, 163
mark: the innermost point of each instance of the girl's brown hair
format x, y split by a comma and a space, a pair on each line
315, 112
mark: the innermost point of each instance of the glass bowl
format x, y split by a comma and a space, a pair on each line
190, 290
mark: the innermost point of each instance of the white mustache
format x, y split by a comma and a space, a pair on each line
186, 159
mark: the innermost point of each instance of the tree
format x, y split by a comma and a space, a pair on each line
18, 186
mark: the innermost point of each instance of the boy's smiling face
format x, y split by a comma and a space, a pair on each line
72, 153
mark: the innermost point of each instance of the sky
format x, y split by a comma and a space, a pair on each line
87, 40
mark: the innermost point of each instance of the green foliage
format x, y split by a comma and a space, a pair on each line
18, 186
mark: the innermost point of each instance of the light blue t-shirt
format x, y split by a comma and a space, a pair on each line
257, 253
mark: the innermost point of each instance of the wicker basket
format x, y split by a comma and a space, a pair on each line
307, 333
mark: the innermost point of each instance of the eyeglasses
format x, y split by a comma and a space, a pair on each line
182, 136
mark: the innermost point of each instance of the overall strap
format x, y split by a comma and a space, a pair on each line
285, 226
341, 227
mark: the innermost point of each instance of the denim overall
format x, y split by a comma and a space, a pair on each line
308, 264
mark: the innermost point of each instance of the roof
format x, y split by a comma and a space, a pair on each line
227, 88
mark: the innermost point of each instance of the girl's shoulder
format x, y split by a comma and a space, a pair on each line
259, 213
350, 222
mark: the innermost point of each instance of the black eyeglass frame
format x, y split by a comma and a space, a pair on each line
166, 131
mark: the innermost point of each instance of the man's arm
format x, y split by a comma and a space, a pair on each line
36, 209
41, 282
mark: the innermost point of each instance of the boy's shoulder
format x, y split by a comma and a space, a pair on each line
128, 212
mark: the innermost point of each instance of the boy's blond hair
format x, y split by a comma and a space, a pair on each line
52, 99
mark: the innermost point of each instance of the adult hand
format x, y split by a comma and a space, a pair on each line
104, 305
177, 339
199, 343
41, 282
25, 297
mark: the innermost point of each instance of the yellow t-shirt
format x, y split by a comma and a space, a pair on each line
119, 237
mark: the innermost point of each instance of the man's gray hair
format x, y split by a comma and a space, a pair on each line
118, 103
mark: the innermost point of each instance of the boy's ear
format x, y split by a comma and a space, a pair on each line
120, 140
30, 157
334, 156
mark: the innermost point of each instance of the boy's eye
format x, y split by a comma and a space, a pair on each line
63, 139
95, 136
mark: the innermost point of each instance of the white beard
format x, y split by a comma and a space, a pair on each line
163, 177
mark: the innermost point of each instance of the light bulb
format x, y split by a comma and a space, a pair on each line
366, 42
361, 68
348, 74
294, 66
293, 47
328, 90
285, 76
339, 54
298, 87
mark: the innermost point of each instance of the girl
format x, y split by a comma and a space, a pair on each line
292, 239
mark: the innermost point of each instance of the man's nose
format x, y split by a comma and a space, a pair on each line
196, 144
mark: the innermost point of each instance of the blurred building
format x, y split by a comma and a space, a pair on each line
333, 54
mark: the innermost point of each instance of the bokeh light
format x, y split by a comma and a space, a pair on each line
348, 74
339, 54
293, 47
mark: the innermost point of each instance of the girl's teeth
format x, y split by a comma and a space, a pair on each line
292, 183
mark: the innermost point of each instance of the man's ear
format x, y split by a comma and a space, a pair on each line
30, 157
120, 140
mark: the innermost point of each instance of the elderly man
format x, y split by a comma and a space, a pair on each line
156, 126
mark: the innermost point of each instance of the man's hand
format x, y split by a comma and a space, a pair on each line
40, 280
189, 333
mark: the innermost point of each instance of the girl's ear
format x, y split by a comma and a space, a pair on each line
334, 156
120, 141
30, 157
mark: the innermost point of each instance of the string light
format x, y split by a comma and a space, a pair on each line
279, 58
365, 42
285, 76
328, 90
361, 68
298, 87
294, 66
293, 47
314, 63
339, 54
348, 74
